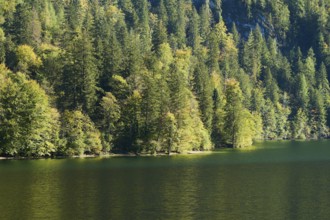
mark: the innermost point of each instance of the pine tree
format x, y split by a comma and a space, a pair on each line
205, 20
181, 25
26, 27
79, 75
144, 28
318, 115
172, 15
132, 122
272, 90
159, 35
112, 60
110, 120
150, 105
322, 82
302, 93
301, 128
131, 17
162, 13
309, 68
269, 120
204, 92
194, 39
162, 76
214, 53
251, 58
170, 132
236, 35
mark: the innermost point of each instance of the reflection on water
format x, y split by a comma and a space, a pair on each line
287, 180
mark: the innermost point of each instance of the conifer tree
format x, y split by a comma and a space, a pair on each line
161, 75
159, 35
181, 24
251, 59
309, 68
110, 120
318, 115
272, 90
302, 92
112, 59
79, 75
204, 90
194, 39
322, 82
163, 13
301, 130
205, 20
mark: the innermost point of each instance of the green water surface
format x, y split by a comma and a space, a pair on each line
273, 180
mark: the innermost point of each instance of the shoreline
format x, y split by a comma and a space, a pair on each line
110, 155
161, 154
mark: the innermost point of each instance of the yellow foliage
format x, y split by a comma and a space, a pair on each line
191, 134
165, 56
230, 46
5, 7
48, 47
183, 54
49, 51
27, 57
136, 95
84, 4
3, 75
119, 79
227, 43
216, 80
232, 83
2, 35
114, 13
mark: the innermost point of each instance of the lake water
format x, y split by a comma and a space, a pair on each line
273, 180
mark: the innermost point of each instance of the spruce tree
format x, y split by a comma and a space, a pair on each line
80, 74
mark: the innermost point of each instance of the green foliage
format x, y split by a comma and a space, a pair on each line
110, 120
301, 130
302, 92
204, 90
79, 75
269, 120
132, 120
27, 58
29, 126
161, 76
170, 132
240, 126
2, 48
251, 57
79, 134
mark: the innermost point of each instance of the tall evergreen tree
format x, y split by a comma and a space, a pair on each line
79, 75
204, 92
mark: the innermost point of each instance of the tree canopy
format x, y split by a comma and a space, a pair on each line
89, 77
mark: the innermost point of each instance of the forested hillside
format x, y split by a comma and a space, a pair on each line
90, 76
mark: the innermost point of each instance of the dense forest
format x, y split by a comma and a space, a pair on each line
94, 76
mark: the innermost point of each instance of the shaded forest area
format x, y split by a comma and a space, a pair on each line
94, 76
